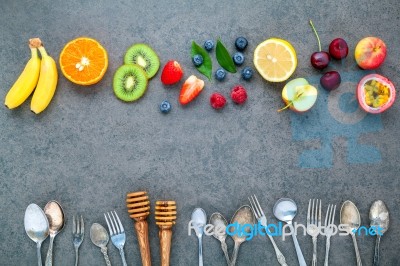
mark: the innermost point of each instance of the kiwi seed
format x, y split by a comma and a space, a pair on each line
144, 56
130, 82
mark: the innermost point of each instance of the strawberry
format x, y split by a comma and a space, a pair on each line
190, 89
172, 73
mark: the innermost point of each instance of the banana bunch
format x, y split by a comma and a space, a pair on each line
38, 73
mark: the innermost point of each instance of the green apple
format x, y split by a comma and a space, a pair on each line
298, 95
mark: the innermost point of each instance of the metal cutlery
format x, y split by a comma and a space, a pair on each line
219, 222
99, 237
379, 217
350, 218
199, 220
55, 216
78, 232
117, 233
260, 216
285, 210
329, 224
314, 225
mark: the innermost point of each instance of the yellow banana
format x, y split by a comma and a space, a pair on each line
26, 82
47, 83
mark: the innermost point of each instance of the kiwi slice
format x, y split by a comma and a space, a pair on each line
130, 83
141, 54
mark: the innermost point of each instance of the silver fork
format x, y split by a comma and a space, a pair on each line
78, 232
259, 214
314, 224
329, 223
117, 233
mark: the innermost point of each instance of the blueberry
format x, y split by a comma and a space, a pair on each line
247, 73
197, 60
241, 43
165, 107
220, 74
208, 45
238, 58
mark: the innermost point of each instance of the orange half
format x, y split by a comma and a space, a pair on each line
83, 61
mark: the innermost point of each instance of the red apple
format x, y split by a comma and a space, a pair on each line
370, 53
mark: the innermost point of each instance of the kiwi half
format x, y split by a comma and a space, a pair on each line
144, 56
130, 83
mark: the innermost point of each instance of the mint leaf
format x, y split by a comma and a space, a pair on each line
206, 67
224, 58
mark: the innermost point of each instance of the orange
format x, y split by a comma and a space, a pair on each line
84, 61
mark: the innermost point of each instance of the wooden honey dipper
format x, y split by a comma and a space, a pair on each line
165, 219
138, 205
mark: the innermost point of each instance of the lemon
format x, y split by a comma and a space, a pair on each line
275, 59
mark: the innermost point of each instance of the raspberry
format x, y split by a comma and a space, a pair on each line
217, 100
238, 94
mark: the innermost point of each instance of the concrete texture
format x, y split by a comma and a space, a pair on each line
87, 150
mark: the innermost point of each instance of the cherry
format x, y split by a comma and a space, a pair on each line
338, 48
319, 60
330, 80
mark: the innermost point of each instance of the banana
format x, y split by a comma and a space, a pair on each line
47, 83
26, 82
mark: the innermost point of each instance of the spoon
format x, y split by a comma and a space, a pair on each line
379, 216
243, 216
285, 210
351, 220
36, 227
219, 222
55, 216
199, 219
99, 237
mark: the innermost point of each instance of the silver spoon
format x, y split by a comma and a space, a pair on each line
55, 216
36, 227
379, 217
99, 237
243, 216
219, 222
285, 210
351, 220
199, 219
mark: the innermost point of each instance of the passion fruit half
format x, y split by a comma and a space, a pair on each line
375, 93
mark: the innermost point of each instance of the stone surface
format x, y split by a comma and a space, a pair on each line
87, 150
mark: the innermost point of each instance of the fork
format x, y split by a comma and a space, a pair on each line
259, 214
314, 224
117, 233
78, 232
329, 224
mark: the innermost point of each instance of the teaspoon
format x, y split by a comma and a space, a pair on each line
243, 216
219, 222
350, 218
199, 219
55, 216
99, 237
379, 217
285, 210
36, 227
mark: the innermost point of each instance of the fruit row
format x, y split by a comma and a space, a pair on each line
84, 61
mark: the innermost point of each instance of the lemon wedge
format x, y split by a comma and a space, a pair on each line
275, 59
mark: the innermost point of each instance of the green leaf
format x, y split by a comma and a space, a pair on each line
206, 67
224, 58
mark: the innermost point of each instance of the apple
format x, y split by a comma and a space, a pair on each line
370, 53
298, 95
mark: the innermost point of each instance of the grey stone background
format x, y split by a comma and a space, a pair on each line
87, 150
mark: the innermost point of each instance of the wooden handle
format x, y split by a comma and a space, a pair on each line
142, 231
165, 245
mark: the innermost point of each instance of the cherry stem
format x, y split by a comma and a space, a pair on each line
316, 34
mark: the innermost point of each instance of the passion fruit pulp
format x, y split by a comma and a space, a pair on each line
375, 93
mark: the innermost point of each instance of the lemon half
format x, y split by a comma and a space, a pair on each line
275, 59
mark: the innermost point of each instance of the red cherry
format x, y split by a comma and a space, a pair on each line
320, 60
330, 80
338, 48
